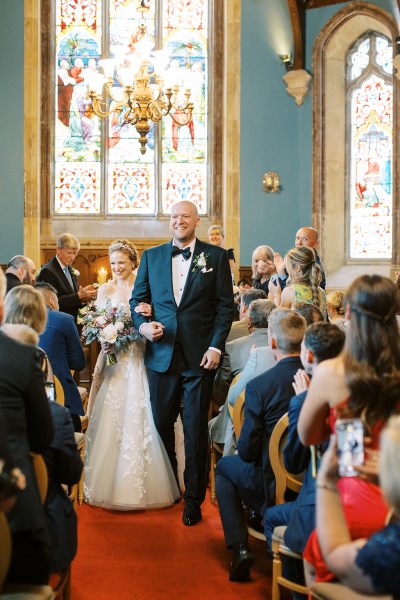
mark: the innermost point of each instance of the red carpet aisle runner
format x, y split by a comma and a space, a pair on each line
151, 554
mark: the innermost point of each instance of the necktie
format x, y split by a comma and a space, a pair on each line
68, 276
184, 251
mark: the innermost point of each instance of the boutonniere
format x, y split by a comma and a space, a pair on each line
200, 262
74, 272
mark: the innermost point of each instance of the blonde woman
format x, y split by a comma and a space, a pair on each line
263, 266
335, 307
303, 284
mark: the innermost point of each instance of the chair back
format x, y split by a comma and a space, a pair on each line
41, 475
238, 414
60, 396
284, 479
5, 545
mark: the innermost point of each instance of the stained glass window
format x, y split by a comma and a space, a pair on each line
370, 89
99, 169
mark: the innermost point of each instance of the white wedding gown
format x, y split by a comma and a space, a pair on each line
126, 465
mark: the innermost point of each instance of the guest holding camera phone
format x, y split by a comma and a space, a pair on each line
367, 566
363, 383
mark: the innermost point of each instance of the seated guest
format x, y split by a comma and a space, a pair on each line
264, 270
362, 382
27, 420
238, 351
240, 328
308, 236
368, 566
247, 477
321, 341
220, 428
60, 341
304, 277
64, 467
20, 269
244, 284
310, 312
63, 277
12, 481
335, 308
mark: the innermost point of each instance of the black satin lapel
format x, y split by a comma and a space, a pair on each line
167, 269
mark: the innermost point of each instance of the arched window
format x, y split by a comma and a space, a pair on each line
97, 168
369, 80
356, 143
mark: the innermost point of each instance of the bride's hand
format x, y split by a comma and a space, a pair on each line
144, 308
106, 347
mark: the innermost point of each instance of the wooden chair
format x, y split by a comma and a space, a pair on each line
60, 399
238, 414
17, 591
284, 480
337, 591
216, 451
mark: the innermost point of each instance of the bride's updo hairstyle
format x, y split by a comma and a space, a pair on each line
372, 348
127, 248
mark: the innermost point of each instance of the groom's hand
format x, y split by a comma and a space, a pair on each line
210, 359
152, 331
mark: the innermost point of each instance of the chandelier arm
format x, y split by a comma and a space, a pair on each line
188, 114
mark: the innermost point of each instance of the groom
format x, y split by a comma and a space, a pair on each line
189, 285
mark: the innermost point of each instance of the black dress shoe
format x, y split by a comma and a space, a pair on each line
242, 560
254, 520
191, 514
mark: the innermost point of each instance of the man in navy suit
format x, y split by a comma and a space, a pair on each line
60, 341
247, 477
321, 341
60, 273
189, 286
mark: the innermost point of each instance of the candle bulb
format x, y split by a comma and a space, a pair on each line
102, 276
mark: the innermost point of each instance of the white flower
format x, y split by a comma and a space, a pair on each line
109, 334
119, 325
201, 261
75, 272
100, 321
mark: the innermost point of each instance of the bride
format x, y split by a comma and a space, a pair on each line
126, 465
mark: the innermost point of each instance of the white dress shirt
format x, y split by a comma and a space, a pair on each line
180, 271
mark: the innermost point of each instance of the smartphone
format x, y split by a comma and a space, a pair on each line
350, 443
49, 386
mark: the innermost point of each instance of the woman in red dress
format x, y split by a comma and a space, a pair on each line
363, 382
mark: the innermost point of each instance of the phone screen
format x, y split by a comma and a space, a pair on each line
350, 442
50, 391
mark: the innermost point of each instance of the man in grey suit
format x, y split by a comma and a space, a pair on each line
237, 352
240, 328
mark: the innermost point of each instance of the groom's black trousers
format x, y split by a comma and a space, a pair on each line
182, 386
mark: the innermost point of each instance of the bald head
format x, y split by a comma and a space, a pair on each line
23, 268
307, 236
183, 222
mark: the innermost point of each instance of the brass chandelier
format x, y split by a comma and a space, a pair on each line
140, 96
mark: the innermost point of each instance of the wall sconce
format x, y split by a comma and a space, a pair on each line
287, 60
271, 183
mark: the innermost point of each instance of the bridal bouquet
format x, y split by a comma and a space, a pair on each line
108, 324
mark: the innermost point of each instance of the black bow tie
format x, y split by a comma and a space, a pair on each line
184, 251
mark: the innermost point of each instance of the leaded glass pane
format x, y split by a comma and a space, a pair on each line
184, 182
131, 189
89, 153
371, 202
384, 55
77, 129
78, 188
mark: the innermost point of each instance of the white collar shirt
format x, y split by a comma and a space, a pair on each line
180, 271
